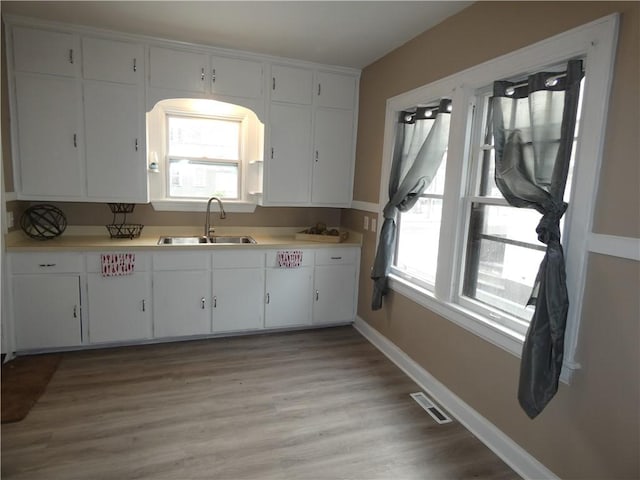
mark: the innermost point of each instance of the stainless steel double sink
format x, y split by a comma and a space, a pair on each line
202, 240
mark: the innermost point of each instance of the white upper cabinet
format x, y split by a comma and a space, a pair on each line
236, 77
335, 90
112, 61
178, 69
44, 51
79, 97
333, 157
114, 138
288, 166
291, 84
50, 140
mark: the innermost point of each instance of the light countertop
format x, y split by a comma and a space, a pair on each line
97, 239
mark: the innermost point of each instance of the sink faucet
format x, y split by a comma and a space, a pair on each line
208, 229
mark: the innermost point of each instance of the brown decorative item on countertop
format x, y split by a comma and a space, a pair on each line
320, 233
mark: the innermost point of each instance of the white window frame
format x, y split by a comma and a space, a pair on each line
595, 43
239, 162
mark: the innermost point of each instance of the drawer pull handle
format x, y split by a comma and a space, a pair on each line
144, 306
268, 299
71, 55
44, 265
336, 258
202, 74
317, 295
135, 65
213, 76
75, 311
215, 302
202, 302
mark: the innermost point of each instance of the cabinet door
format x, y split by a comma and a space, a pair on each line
181, 303
335, 294
288, 166
112, 61
119, 307
238, 78
335, 90
49, 135
291, 84
288, 297
115, 143
47, 311
238, 299
178, 70
333, 157
44, 51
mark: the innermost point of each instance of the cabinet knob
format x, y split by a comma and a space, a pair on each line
317, 295
268, 298
202, 74
75, 311
135, 65
144, 305
215, 302
202, 301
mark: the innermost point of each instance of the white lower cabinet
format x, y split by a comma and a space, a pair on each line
288, 292
181, 294
47, 311
335, 283
238, 291
181, 303
119, 306
187, 293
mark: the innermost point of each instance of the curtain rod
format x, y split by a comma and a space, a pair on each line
549, 82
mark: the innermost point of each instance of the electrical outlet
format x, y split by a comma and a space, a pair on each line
373, 224
366, 223
9, 219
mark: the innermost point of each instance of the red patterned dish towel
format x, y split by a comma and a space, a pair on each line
117, 264
289, 258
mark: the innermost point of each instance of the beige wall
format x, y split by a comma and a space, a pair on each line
591, 429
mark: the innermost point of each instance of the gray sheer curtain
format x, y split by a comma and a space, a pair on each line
533, 128
420, 144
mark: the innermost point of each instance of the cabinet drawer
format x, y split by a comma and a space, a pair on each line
46, 263
142, 262
238, 259
272, 257
336, 256
181, 261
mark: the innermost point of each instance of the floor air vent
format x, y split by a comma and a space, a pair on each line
426, 403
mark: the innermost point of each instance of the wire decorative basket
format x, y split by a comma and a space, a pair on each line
122, 229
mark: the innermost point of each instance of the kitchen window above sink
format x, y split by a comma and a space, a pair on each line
199, 148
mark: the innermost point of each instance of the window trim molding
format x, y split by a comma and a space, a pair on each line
596, 42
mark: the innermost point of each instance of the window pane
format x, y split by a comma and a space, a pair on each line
189, 178
197, 137
418, 235
503, 257
437, 185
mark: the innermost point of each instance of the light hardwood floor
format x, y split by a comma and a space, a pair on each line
316, 404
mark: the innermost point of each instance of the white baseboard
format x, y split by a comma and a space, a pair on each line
504, 447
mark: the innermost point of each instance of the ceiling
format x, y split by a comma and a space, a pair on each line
351, 34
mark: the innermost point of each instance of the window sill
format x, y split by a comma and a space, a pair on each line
189, 205
484, 327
